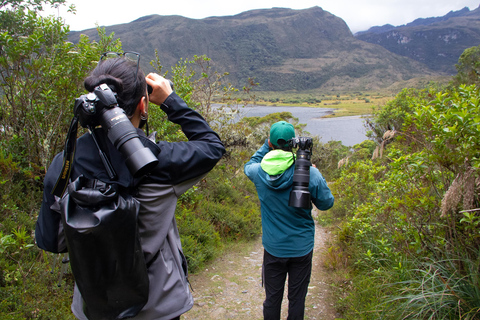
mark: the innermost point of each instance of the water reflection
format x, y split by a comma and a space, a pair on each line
348, 130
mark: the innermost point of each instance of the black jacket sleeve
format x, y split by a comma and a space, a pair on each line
181, 161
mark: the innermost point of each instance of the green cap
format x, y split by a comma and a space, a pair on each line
280, 133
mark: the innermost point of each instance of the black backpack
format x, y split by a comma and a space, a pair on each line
101, 232
100, 226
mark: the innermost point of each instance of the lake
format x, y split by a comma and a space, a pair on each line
348, 130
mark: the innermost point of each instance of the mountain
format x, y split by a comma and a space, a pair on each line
283, 49
436, 42
416, 22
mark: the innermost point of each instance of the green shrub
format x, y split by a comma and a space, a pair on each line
241, 222
417, 204
200, 241
29, 287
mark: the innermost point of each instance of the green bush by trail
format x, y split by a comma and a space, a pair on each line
410, 219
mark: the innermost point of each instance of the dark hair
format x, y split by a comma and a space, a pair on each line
285, 148
119, 75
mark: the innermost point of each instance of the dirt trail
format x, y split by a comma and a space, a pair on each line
231, 286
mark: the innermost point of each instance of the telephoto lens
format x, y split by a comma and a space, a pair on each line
300, 195
100, 107
121, 132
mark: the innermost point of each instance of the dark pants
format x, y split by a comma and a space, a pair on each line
275, 272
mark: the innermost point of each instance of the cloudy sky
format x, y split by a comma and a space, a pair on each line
358, 14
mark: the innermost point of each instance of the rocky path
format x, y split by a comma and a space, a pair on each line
231, 286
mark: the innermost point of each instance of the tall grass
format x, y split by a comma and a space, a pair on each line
445, 289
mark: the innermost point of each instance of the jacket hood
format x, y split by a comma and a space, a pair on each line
277, 167
276, 162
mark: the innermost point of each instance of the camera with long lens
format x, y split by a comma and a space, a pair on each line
300, 196
100, 108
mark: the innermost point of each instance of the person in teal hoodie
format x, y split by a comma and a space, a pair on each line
288, 233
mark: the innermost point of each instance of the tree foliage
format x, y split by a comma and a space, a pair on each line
468, 67
392, 115
416, 208
33, 5
40, 76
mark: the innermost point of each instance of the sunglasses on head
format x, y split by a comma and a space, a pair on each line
129, 55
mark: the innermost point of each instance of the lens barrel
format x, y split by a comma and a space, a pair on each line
121, 132
300, 196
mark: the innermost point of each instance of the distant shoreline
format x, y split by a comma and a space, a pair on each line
349, 130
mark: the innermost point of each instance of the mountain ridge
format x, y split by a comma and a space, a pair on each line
417, 22
283, 49
436, 42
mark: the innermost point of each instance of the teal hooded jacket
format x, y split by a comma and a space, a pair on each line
287, 232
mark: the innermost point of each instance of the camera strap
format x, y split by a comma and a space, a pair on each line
68, 156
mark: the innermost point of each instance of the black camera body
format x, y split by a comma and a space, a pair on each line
100, 108
300, 196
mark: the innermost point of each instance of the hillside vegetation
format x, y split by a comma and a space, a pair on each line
282, 49
435, 42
